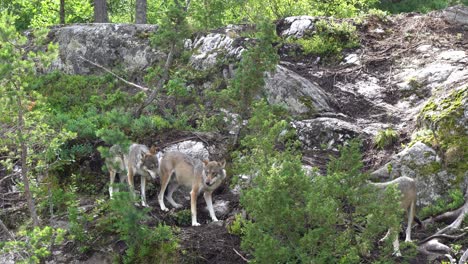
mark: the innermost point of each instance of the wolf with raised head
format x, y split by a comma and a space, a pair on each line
198, 175
139, 160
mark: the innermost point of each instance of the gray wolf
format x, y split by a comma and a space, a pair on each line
139, 160
407, 187
198, 175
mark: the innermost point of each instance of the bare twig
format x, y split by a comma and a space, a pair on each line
161, 81
115, 75
7, 177
5, 230
239, 254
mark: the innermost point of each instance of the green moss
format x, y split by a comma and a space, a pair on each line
430, 169
446, 110
307, 102
386, 138
441, 128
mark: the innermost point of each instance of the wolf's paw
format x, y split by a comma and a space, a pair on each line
397, 253
164, 209
145, 205
196, 224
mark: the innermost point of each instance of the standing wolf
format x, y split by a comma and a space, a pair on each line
407, 187
139, 161
200, 176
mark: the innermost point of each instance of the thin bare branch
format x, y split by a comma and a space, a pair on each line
246, 260
5, 230
8, 176
115, 75
161, 82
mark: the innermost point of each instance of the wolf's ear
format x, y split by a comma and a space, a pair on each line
153, 150
205, 161
222, 163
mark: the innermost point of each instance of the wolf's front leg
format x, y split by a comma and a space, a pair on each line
209, 203
193, 206
143, 191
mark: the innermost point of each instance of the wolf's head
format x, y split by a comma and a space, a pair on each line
150, 162
214, 172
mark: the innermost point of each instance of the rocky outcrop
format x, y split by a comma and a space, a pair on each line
456, 14
110, 45
208, 49
296, 93
422, 163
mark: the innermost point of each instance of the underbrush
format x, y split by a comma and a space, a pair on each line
423, 6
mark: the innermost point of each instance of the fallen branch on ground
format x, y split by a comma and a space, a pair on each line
115, 75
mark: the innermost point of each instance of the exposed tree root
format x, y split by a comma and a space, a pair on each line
433, 248
464, 257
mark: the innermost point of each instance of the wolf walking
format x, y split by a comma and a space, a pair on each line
139, 160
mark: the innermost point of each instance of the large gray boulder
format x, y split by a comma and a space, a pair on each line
421, 163
110, 45
456, 14
299, 95
327, 133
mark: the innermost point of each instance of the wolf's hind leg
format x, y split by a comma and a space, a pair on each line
112, 179
172, 187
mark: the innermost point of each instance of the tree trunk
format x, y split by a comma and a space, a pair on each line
100, 11
140, 14
62, 12
24, 164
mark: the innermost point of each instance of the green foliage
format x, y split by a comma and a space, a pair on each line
298, 219
54, 198
386, 138
240, 11
33, 245
330, 38
423, 6
248, 80
237, 227
454, 200
442, 128
173, 26
144, 244
42, 14
183, 218
209, 14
